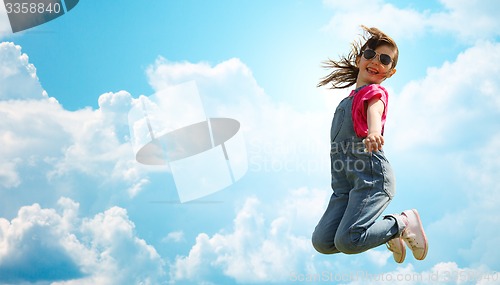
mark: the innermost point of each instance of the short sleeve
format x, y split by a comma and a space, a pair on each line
359, 117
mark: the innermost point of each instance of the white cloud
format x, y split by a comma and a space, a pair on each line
97, 142
227, 88
9, 177
469, 21
474, 226
17, 75
279, 138
57, 245
33, 247
18, 83
92, 144
36, 132
40, 133
450, 103
47, 150
379, 258
484, 172
176, 236
266, 243
349, 15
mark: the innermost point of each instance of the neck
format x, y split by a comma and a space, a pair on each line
360, 83
359, 86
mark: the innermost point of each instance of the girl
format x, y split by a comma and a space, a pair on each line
362, 179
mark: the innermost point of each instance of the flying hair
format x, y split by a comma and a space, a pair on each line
345, 70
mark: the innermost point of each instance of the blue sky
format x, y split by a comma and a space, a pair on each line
76, 208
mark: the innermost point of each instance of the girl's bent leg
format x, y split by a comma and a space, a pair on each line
324, 233
373, 189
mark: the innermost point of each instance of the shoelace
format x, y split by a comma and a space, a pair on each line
411, 239
391, 245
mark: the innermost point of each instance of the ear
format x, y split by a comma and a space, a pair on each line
358, 58
390, 73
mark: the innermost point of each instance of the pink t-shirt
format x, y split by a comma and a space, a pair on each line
358, 107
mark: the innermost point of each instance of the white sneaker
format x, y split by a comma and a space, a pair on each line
398, 249
414, 235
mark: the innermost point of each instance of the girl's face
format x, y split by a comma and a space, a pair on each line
373, 71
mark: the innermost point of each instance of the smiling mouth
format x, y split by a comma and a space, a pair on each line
372, 71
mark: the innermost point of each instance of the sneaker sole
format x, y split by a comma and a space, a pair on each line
403, 252
402, 248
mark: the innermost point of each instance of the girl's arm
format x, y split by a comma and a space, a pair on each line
374, 141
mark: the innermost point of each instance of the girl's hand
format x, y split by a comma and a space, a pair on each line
374, 142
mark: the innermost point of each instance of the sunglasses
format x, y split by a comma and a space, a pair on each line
385, 59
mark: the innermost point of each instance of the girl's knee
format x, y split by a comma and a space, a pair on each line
348, 244
323, 246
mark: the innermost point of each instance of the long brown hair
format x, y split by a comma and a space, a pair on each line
345, 71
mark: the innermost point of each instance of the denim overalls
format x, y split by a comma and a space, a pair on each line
363, 185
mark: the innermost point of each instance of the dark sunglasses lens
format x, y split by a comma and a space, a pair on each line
369, 54
385, 59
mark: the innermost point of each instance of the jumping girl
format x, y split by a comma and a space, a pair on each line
362, 179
